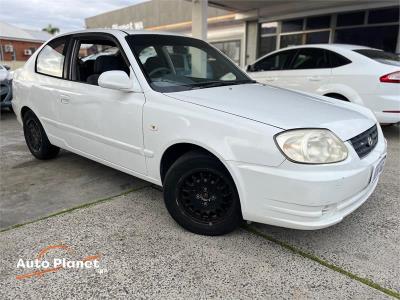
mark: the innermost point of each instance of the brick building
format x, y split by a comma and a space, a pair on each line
17, 45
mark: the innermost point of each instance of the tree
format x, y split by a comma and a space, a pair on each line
50, 29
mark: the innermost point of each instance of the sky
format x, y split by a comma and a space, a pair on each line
64, 14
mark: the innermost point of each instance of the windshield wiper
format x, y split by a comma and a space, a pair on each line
217, 83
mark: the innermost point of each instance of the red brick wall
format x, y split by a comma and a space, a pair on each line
19, 48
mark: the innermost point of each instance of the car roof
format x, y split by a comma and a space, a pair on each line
113, 31
330, 46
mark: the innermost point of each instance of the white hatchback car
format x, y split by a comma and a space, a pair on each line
176, 112
358, 74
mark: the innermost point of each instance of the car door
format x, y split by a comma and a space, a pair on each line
50, 74
99, 122
272, 68
309, 70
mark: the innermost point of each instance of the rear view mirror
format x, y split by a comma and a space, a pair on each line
116, 80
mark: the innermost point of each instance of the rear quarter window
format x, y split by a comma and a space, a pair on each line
380, 56
336, 60
50, 60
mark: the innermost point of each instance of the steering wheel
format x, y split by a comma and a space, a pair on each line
159, 70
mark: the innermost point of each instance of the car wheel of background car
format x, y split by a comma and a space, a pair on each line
337, 96
201, 196
36, 138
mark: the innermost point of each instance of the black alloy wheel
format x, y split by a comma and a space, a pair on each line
36, 138
205, 196
201, 196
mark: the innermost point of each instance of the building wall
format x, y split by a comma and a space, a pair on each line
151, 14
19, 48
377, 28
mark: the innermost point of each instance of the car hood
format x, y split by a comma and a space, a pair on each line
283, 108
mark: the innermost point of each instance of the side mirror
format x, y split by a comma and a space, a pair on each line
7, 67
116, 80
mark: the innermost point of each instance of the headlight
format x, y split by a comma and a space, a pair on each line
311, 146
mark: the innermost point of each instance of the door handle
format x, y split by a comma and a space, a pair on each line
64, 99
271, 78
314, 78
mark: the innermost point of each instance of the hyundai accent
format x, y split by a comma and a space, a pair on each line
176, 112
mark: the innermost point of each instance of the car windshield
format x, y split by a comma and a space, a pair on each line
173, 63
380, 56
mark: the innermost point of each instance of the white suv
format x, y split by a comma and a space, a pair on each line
358, 74
176, 112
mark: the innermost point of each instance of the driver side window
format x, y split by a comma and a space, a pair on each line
275, 62
95, 57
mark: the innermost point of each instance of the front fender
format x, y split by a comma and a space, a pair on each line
167, 121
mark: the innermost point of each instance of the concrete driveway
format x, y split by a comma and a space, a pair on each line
144, 254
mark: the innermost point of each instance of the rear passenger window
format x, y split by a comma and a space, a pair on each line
337, 60
50, 60
310, 58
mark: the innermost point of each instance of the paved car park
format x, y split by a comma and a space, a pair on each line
144, 254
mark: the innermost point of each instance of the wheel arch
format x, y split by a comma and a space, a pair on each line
177, 149
337, 96
24, 110
342, 91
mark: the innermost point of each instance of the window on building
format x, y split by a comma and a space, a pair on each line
275, 62
230, 49
387, 15
269, 28
319, 22
268, 38
267, 45
317, 37
385, 37
310, 58
291, 40
350, 19
50, 60
292, 25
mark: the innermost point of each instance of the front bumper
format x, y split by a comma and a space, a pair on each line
306, 196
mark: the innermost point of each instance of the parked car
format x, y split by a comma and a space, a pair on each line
357, 74
176, 112
5, 87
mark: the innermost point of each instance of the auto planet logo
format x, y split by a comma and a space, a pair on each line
41, 266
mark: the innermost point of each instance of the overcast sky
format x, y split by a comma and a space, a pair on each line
64, 14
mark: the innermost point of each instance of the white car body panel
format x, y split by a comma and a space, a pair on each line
357, 81
130, 131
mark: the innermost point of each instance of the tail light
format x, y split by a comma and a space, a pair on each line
391, 77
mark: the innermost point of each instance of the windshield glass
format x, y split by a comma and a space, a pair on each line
381, 56
174, 63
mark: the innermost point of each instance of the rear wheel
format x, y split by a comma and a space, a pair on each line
201, 196
36, 138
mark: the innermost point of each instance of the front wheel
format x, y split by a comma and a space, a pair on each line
36, 138
201, 196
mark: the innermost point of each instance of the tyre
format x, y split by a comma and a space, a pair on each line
201, 196
36, 138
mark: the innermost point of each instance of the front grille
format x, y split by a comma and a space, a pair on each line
365, 142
